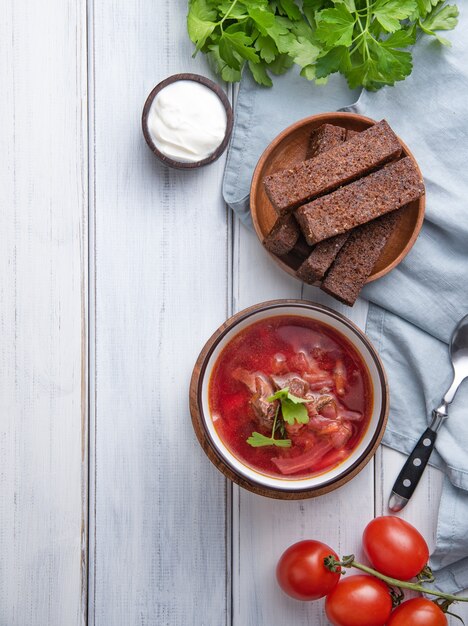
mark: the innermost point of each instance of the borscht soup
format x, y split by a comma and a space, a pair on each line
290, 397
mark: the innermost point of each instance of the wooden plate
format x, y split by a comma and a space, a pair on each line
289, 148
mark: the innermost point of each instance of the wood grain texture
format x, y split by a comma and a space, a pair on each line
160, 274
166, 270
421, 510
43, 261
263, 528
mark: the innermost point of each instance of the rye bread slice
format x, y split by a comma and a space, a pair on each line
285, 233
383, 191
356, 259
324, 138
283, 236
314, 177
319, 260
314, 268
351, 133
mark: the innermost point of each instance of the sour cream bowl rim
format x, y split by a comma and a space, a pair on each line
234, 468
202, 80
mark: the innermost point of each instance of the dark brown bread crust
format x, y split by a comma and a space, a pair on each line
317, 262
350, 160
322, 256
357, 257
283, 236
360, 202
324, 138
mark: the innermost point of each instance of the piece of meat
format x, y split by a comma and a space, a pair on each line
323, 425
260, 385
293, 429
334, 424
323, 400
330, 410
264, 410
248, 378
297, 386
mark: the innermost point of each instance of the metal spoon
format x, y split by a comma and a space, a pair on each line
413, 469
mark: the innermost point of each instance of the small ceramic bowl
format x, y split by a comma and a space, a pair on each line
233, 467
229, 121
289, 148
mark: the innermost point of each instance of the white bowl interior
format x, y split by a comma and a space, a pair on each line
287, 484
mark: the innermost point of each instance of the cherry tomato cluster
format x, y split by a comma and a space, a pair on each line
393, 547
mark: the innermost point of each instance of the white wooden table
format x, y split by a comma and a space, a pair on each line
114, 271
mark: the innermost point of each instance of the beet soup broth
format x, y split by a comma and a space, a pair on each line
290, 397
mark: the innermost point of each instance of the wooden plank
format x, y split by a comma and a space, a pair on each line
43, 261
160, 275
263, 528
422, 510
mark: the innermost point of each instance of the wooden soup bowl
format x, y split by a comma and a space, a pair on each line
286, 488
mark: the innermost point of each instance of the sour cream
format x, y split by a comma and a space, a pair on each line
187, 121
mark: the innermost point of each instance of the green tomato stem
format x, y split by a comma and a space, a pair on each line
348, 561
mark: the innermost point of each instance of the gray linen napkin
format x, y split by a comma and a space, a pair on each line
414, 308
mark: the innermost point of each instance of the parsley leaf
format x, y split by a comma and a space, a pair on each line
257, 440
336, 59
292, 407
293, 412
200, 22
240, 43
303, 51
281, 64
335, 27
366, 41
283, 394
389, 13
289, 8
444, 18
266, 47
260, 74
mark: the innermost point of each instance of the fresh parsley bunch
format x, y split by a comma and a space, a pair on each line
366, 40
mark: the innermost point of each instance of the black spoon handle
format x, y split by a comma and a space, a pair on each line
412, 471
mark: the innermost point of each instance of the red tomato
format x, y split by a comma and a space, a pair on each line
418, 612
301, 573
359, 601
394, 547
